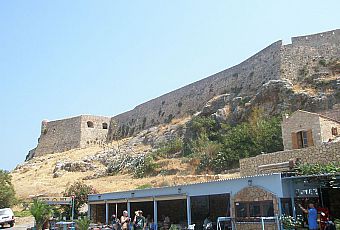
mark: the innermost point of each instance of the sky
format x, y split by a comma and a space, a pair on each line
65, 58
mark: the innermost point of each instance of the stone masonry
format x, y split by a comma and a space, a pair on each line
275, 62
318, 127
322, 154
71, 133
250, 194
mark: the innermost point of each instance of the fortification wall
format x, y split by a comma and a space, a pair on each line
95, 135
303, 56
76, 132
323, 154
243, 79
59, 136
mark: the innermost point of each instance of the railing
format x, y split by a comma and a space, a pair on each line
262, 221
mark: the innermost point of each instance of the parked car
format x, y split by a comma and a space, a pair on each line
6, 217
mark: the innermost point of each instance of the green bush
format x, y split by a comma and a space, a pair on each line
147, 167
7, 193
315, 169
219, 146
83, 223
169, 148
144, 186
81, 192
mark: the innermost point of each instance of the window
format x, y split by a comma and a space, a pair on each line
104, 125
334, 131
302, 139
241, 210
254, 209
90, 124
251, 210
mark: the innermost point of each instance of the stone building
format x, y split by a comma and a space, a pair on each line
70, 133
305, 129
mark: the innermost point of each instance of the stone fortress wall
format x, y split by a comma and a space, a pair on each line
274, 62
242, 79
277, 61
301, 57
71, 133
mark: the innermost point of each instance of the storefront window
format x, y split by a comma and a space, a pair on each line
249, 210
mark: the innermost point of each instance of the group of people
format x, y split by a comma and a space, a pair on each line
139, 222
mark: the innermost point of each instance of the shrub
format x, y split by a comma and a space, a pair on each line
219, 146
144, 186
315, 169
83, 223
146, 167
323, 62
81, 192
7, 193
169, 148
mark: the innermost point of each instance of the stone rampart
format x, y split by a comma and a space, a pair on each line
242, 79
304, 54
59, 136
71, 133
293, 61
326, 153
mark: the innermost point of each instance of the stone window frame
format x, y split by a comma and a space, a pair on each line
334, 131
248, 217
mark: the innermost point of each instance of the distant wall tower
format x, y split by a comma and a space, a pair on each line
71, 133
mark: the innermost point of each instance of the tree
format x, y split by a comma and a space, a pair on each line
7, 193
41, 213
80, 191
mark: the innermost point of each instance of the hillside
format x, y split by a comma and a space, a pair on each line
51, 174
37, 176
203, 128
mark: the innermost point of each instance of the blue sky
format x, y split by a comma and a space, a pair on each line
65, 58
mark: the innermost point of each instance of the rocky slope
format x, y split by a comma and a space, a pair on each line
111, 167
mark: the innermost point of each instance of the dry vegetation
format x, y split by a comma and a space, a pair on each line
37, 177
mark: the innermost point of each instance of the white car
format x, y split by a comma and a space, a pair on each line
6, 217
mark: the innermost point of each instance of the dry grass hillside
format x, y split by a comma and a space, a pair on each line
37, 175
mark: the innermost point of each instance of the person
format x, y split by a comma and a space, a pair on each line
115, 222
207, 224
148, 221
139, 221
125, 220
166, 223
312, 216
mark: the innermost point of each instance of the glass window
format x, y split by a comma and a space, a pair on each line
255, 209
267, 209
241, 209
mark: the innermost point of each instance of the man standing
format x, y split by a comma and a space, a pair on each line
312, 216
139, 221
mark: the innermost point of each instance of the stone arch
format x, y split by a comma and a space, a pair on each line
105, 126
90, 124
253, 194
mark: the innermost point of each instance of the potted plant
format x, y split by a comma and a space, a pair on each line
83, 223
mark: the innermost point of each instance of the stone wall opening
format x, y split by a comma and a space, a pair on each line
104, 125
90, 124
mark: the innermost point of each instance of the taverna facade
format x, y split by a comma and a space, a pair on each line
246, 201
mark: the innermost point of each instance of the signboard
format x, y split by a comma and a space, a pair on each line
310, 192
56, 200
